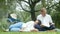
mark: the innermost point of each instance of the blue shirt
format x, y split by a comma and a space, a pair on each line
12, 20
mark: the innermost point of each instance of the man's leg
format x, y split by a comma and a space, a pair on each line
52, 27
39, 28
49, 28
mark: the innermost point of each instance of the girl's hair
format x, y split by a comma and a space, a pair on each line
39, 22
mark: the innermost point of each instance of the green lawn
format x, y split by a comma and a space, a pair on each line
29, 32
1, 32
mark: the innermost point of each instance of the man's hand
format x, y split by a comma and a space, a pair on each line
42, 25
51, 23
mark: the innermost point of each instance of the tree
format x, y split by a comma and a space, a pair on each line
56, 15
6, 6
32, 4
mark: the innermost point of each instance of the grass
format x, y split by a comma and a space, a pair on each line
29, 32
4, 22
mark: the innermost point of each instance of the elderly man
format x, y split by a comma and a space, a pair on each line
46, 20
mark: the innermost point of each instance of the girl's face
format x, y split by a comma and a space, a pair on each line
36, 22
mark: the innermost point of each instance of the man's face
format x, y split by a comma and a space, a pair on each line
43, 12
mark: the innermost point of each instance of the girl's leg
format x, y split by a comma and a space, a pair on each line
15, 29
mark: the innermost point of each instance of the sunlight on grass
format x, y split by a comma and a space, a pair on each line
29, 32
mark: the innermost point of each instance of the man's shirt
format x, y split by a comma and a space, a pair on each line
46, 20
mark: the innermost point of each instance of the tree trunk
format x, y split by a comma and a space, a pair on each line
33, 17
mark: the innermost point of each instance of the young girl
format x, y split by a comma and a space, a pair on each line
20, 26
